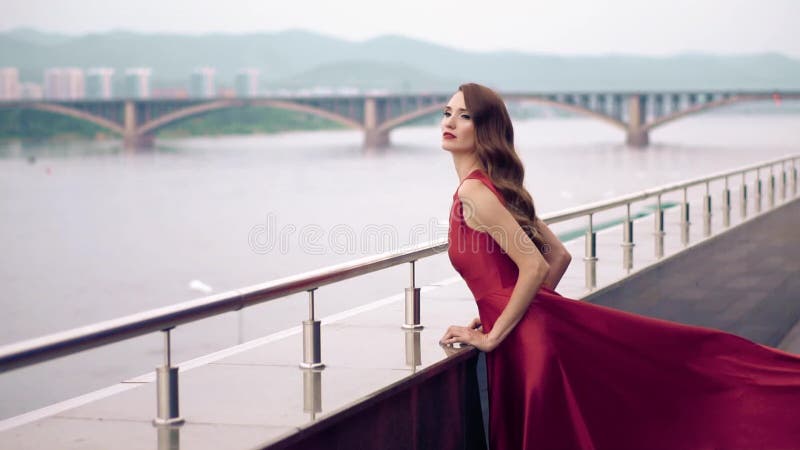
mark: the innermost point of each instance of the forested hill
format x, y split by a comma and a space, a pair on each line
294, 59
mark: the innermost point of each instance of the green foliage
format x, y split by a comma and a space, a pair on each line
26, 123
30, 124
246, 121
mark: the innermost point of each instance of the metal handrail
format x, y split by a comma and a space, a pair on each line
44, 348
59, 344
591, 208
163, 319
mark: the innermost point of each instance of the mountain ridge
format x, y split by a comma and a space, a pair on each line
320, 60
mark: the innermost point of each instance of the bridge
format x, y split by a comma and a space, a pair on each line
634, 113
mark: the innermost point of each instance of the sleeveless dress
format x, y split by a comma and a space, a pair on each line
574, 375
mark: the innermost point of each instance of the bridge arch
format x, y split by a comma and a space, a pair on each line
55, 108
387, 126
204, 108
573, 109
405, 118
702, 107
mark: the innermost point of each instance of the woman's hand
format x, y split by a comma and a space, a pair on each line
475, 323
471, 335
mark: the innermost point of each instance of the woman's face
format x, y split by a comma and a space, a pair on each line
458, 130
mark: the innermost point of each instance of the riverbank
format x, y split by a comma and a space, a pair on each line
38, 126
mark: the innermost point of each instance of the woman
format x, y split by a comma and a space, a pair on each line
565, 374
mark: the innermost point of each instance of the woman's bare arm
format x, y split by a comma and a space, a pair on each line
484, 212
554, 253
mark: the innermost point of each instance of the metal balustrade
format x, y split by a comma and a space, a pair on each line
165, 319
628, 241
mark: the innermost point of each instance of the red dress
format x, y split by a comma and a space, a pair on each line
574, 375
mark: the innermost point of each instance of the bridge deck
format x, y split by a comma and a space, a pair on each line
255, 393
137, 120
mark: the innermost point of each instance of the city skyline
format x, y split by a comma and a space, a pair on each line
98, 83
571, 27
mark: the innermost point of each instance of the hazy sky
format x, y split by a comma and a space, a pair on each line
654, 27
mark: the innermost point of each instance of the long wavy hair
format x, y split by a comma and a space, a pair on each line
494, 142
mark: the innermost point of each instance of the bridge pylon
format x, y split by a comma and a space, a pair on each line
374, 137
138, 141
637, 135
131, 137
638, 138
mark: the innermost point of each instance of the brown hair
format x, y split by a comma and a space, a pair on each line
494, 142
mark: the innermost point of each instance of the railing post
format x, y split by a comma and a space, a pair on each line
771, 188
240, 326
627, 240
312, 338
591, 256
167, 388
783, 180
685, 221
658, 232
743, 197
726, 205
413, 321
758, 190
707, 212
794, 179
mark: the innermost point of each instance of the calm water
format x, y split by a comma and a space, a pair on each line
91, 232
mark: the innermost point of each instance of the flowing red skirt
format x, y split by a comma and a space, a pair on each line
574, 375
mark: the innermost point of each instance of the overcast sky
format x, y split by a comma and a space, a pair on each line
652, 27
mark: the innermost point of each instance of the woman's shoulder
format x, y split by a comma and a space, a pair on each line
479, 188
472, 188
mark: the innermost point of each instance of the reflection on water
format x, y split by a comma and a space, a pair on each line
93, 232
